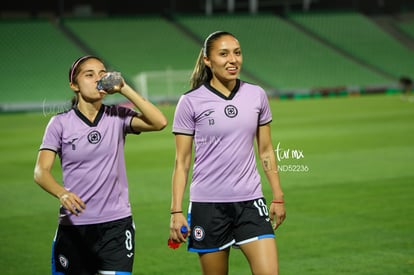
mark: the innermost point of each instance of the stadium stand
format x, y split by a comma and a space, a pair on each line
407, 26
361, 38
285, 55
136, 44
35, 57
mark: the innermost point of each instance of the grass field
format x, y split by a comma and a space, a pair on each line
350, 200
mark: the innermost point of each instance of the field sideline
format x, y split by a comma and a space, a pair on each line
346, 165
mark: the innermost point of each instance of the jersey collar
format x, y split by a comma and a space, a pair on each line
232, 93
86, 120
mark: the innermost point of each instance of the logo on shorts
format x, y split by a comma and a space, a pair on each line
63, 261
198, 233
94, 137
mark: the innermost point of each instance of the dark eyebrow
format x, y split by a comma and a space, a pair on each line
91, 71
228, 50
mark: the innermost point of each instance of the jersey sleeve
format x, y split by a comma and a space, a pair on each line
265, 115
130, 114
184, 117
126, 115
52, 138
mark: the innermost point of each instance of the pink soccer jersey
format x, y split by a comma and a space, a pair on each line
92, 160
224, 129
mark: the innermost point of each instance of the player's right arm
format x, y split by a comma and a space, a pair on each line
183, 144
44, 178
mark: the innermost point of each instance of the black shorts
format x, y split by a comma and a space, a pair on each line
89, 249
217, 226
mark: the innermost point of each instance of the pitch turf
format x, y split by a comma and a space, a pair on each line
347, 176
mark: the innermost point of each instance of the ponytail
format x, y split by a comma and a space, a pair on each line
74, 101
201, 72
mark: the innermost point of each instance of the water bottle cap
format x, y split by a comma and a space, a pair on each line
184, 229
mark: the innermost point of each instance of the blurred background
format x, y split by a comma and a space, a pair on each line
339, 75
292, 48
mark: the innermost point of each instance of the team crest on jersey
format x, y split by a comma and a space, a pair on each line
94, 137
198, 233
231, 111
63, 261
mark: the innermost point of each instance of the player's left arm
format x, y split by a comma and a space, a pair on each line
269, 164
150, 117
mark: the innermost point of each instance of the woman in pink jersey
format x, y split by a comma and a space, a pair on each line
222, 116
96, 230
